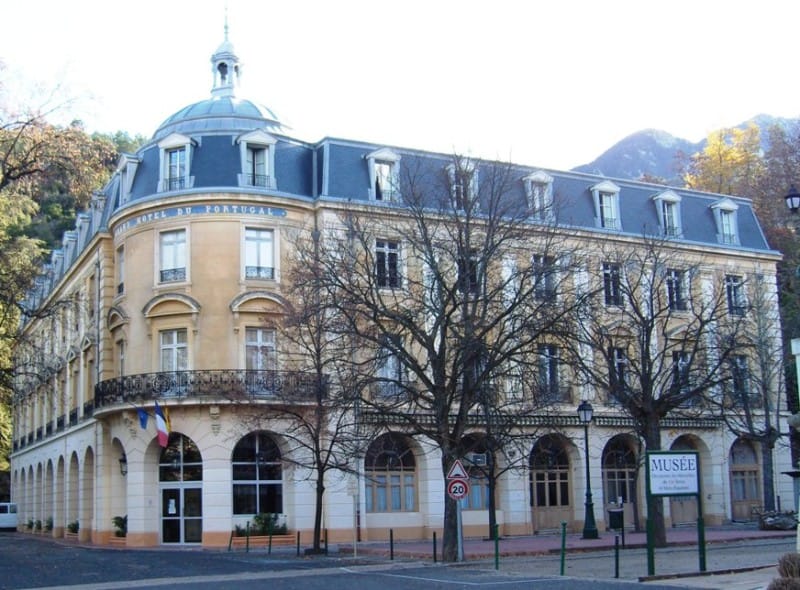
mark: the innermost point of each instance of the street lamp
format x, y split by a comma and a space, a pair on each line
123, 464
793, 199
585, 414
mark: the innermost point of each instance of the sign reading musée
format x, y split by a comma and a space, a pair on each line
673, 473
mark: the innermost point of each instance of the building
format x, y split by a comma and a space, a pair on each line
164, 294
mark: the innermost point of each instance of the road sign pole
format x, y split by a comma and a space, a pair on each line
460, 533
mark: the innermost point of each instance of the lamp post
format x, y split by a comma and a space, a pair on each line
793, 199
585, 414
123, 464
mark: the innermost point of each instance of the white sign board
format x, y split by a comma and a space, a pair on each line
673, 473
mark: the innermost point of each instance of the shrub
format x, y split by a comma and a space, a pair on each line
48, 524
37, 525
784, 584
120, 525
73, 527
789, 565
267, 523
29, 524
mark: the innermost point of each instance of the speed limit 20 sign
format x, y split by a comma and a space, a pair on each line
457, 488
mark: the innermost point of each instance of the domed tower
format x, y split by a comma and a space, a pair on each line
226, 68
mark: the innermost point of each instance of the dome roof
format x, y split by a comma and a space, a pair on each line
223, 112
219, 114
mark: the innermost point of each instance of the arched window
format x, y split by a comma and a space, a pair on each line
744, 473
549, 467
390, 471
180, 460
619, 471
257, 475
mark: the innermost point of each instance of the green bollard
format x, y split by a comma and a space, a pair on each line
563, 544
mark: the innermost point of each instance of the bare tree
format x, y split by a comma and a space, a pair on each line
317, 399
450, 295
751, 404
657, 337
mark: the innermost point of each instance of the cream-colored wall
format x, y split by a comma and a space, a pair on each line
216, 341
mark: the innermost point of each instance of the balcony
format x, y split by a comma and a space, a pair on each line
233, 384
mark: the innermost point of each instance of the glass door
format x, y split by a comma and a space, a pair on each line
182, 515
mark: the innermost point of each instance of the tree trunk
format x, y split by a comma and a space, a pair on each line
320, 491
767, 475
655, 504
450, 530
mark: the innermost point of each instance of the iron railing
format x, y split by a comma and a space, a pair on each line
233, 384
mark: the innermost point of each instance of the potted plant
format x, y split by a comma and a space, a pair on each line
48, 524
72, 530
120, 525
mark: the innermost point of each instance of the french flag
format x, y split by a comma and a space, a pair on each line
162, 425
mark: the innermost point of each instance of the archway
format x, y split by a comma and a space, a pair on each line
620, 476
180, 475
745, 480
683, 509
550, 483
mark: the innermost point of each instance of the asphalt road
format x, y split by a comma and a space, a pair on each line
30, 562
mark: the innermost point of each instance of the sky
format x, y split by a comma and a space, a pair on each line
550, 83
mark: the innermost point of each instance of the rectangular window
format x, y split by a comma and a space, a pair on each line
740, 381
727, 221
680, 373
612, 287
173, 349
176, 168
669, 212
120, 270
549, 381
256, 166
173, 256
468, 273
388, 369
384, 181
619, 374
734, 292
545, 277
676, 296
387, 272
260, 349
259, 254
121, 358
608, 210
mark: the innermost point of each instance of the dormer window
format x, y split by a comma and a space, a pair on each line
175, 152
668, 208
127, 170
383, 169
463, 184
606, 205
726, 219
257, 151
539, 195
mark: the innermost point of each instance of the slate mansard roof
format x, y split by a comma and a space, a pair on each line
337, 169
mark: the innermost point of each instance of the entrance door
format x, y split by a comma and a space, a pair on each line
550, 486
182, 515
180, 473
745, 477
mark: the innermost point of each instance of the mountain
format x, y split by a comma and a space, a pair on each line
657, 154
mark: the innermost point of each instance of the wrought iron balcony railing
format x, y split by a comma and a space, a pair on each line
233, 384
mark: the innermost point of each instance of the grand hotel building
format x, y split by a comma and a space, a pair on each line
170, 275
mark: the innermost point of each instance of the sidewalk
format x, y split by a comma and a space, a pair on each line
738, 556
550, 544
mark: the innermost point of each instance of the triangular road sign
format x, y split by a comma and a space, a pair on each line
457, 471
